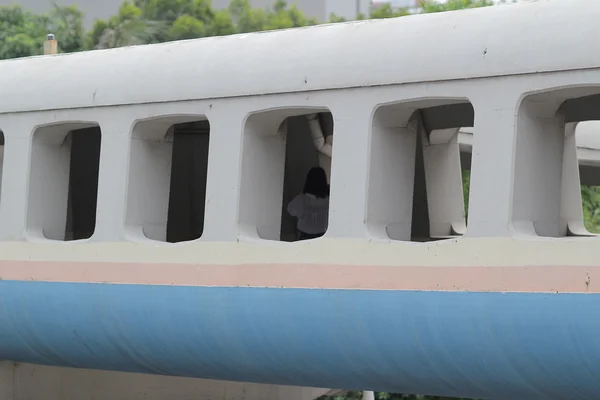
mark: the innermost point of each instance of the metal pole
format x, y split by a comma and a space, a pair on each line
50, 45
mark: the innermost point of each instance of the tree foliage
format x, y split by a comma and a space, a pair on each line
386, 11
153, 21
452, 5
590, 196
22, 33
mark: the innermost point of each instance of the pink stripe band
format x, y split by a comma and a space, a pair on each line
545, 279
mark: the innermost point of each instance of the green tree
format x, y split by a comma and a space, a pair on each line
466, 179
22, 33
152, 21
222, 24
66, 23
186, 19
19, 33
19, 45
126, 28
280, 16
245, 18
187, 27
590, 196
333, 18
386, 11
430, 6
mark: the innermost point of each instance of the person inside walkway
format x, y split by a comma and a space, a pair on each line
312, 206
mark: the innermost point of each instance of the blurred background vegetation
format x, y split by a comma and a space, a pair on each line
153, 21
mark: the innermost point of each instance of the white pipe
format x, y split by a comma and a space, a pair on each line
322, 145
368, 396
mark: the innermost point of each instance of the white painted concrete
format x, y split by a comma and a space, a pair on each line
385, 184
149, 179
36, 382
368, 396
581, 150
587, 141
539, 153
392, 171
443, 173
476, 44
571, 214
263, 165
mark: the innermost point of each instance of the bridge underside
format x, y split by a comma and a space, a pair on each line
456, 344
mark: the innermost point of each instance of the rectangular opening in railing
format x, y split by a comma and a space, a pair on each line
556, 166
286, 165
580, 199
418, 177
587, 141
63, 183
167, 178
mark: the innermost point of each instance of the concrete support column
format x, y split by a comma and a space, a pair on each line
224, 175
538, 167
113, 179
148, 192
571, 211
395, 175
368, 396
15, 178
444, 183
492, 165
350, 170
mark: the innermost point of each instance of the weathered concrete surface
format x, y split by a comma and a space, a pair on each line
38, 382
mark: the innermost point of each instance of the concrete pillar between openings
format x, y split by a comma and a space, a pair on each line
1, 165
113, 179
394, 141
49, 183
538, 169
444, 183
151, 155
263, 168
571, 211
349, 171
492, 166
15, 178
368, 396
224, 174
